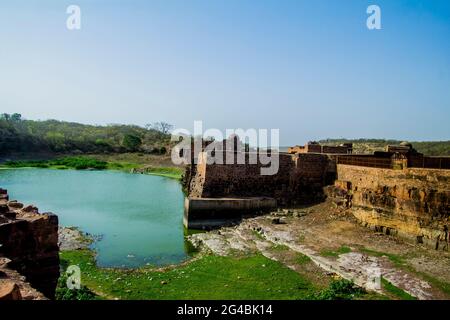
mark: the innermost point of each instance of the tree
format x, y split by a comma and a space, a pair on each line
16, 117
131, 142
162, 127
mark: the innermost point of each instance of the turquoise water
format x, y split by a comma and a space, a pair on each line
139, 217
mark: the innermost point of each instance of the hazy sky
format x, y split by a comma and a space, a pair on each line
310, 68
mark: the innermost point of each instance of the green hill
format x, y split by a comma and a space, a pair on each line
19, 135
53, 136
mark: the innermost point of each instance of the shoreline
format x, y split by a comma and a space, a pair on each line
164, 175
111, 166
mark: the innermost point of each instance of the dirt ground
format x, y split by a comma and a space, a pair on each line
336, 244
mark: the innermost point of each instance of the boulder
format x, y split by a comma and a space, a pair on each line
3, 208
9, 290
15, 205
30, 209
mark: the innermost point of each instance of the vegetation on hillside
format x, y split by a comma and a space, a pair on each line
429, 148
339, 290
28, 136
20, 135
78, 163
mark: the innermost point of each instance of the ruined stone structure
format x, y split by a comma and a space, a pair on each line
395, 157
314, 147
388, 191
29, 240
299, 180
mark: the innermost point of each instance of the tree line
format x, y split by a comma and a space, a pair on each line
21, 135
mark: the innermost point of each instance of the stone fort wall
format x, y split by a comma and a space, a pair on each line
410, 202
300, 179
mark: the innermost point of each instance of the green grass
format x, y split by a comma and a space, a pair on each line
83, 163
78, 163
208, 277
258, 235
189, 232
280, 247
395, 259
331, 253
395, 291
339, 290
400, 262
64, 293
443, 286
302, 259
169, 172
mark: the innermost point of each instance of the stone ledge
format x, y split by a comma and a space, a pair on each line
201, 213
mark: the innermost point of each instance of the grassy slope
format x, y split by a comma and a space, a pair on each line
213, 277
169, 172
331, 253
209, 277
394, 291
399, 262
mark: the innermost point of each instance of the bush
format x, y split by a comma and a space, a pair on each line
22, 164
131, 142
79, 163
64, 293
339, 290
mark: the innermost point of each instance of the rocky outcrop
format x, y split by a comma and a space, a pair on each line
13, 286
9, 290
412, 203
30, 240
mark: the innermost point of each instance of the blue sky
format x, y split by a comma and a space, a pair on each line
310, 68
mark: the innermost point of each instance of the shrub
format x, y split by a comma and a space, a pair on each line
339, 290
64, 293
131, 142
80, 163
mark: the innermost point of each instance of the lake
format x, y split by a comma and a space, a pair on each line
139, 217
